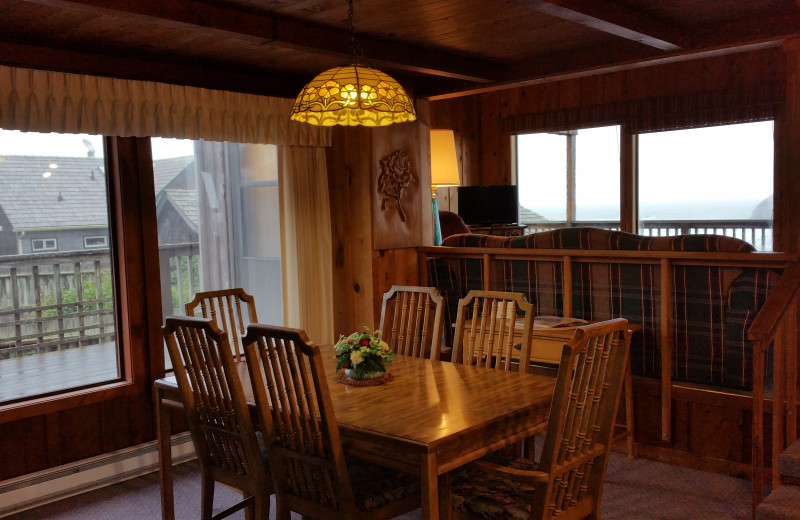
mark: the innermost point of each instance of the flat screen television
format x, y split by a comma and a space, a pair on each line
488, 205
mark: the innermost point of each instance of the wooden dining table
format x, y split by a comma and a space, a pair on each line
430, 418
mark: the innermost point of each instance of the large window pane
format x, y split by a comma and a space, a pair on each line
218, 222
569, 178
597, 174
57, 329
714, 180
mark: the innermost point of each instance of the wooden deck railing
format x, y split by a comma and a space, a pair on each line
54, 301
756, 232
180, 275
775, 325
35, 318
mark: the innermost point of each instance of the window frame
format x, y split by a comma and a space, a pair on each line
100, 246
629, 167
44, 247
570, 149
132, 235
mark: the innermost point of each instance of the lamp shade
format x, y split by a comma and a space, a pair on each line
351, 96
444, 163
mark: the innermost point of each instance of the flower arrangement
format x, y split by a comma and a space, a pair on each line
362, 354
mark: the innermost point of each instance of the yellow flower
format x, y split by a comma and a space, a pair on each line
384, 346
355, 357
368, 93
329, 89
349, 95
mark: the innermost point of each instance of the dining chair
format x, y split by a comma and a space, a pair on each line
567, 482
485, 330
221, 427
411, 321
311, 475
225, 307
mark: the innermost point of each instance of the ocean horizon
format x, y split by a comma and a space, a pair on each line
683, 210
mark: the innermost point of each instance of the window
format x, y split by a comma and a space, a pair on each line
57, 319
569, 178
715, 180
44, 244
218, 219
95, 242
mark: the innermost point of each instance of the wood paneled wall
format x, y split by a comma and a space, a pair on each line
363, 269
486, 150
787, 154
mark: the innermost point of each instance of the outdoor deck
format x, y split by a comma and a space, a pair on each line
41, 374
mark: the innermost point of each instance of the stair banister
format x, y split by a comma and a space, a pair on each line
776, 322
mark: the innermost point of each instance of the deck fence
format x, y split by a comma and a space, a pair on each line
756, 232
55, 301
36, 318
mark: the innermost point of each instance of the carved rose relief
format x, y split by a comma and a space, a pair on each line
393, 181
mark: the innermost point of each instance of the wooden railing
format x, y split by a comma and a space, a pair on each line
665, 263
756, 232
54, 301
35, 318
777, 326
180, 276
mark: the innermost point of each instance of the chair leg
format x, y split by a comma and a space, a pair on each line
261, 507
628, 389
281, 511
249, 510
207, 498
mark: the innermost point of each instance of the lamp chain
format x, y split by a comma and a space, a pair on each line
356, 50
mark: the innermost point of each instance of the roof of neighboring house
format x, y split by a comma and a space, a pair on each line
73, 196
167, 170
185, 202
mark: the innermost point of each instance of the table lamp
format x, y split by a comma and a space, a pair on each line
444, 171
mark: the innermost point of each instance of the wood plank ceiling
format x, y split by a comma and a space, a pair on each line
436, 48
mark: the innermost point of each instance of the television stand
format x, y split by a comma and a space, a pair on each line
503, 230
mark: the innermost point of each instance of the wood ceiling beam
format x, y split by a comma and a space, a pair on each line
607, 67
269, 30
146, 69
729, 38
618, 20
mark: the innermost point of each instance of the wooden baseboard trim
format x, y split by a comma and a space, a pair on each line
694, 461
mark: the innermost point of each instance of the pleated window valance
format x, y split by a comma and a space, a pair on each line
44, 101
740, 105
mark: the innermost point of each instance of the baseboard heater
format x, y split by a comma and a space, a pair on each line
36, 489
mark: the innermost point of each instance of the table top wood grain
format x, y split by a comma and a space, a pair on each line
432, 416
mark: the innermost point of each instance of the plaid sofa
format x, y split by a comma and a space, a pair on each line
712, 306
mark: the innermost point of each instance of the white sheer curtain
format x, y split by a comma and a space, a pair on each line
306, 241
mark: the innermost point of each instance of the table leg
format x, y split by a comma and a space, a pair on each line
445, 497
163, 423
429, 486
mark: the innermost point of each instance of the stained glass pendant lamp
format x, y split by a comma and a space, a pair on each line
353, 95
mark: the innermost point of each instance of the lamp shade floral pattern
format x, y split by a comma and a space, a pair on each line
353, 95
